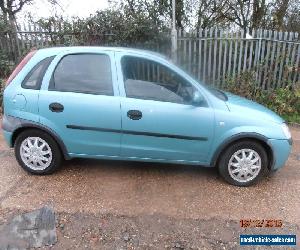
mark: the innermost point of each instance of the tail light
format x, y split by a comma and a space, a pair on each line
20, 66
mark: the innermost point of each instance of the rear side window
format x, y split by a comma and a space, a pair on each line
83, 73
34, 78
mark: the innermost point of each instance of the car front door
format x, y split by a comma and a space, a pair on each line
159, 120
79, 101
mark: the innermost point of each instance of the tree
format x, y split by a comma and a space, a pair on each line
223, 13
252, 14
159, 10
237, 12
258, 13
209, 14
280, 12
293, 20
9, 10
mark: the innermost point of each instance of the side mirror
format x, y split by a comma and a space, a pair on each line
197, 99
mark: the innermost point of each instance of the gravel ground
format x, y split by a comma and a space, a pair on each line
129, 205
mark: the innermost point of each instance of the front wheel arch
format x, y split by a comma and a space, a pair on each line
238, 138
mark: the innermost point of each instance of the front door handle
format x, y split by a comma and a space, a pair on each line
56, 107
134, 114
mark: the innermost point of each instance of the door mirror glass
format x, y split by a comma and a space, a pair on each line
198, 99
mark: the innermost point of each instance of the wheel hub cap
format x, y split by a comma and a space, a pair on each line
244, 165
36, 153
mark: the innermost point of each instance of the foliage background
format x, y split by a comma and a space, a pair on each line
283, 101
145, 24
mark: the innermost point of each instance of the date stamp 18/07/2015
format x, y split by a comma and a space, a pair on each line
246, 223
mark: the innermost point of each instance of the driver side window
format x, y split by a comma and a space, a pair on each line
146, 79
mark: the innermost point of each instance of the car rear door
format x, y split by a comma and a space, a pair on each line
79, 101
158, 120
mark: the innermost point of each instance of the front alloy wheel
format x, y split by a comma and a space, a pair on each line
243, 163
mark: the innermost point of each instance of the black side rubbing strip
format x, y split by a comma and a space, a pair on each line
183, 137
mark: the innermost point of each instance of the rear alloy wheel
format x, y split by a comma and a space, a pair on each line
243, 163
37, 152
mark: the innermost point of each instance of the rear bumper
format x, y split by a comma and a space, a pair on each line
8, 137
281, 151
9, 125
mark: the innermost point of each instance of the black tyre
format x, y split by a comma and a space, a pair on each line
243, 163
37, 152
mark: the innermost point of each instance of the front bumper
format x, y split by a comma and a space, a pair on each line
281, 151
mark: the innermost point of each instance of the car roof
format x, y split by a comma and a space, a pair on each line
76, 49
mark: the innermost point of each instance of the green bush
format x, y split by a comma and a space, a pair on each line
108, 28
5, 66
243, 85
283, 101
2, 84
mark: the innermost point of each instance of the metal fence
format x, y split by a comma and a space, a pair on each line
211, 55
31, 35
214, 55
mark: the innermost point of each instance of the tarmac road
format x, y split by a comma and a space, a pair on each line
130, 205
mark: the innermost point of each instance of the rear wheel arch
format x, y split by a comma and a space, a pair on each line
262, 140
51, 133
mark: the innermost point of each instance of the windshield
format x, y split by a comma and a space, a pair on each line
216, 92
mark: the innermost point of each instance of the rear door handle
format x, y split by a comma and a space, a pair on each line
56, 107
134, 114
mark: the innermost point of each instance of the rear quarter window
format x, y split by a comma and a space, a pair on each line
34, 78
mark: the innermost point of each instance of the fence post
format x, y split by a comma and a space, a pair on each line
174, 33
174, 45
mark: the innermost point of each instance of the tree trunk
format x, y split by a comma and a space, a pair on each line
259, 11
280, 13
12, 22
